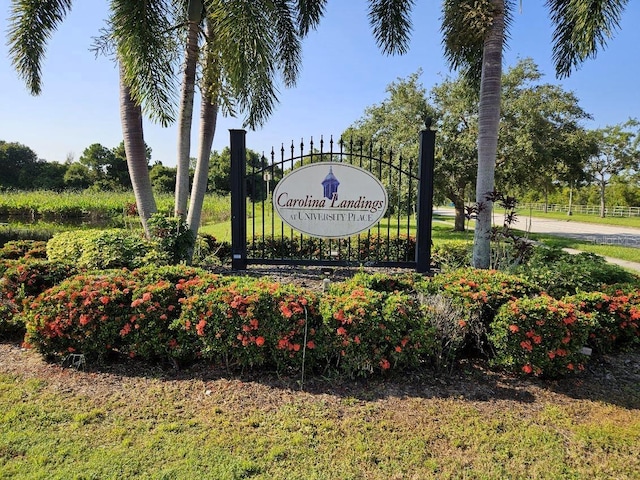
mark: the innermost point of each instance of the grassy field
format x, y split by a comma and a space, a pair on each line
442, 232
62, 424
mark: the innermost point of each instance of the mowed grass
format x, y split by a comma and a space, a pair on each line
442, 232
226, 428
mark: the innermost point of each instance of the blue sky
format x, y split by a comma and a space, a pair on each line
343, 72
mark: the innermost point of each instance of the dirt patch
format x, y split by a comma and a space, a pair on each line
611, 379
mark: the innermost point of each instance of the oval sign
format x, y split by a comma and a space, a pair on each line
330, 199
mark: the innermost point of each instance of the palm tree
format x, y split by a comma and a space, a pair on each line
139, 30
247, 44
581, 27
474, 33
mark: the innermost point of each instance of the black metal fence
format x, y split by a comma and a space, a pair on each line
401, 239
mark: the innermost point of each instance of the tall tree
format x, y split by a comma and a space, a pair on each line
248, 45
618, 148
140, 32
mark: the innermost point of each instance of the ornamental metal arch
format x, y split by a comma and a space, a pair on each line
402, 238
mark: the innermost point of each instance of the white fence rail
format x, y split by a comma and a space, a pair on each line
614, 211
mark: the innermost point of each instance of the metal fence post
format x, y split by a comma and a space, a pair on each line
425, 198
237, 143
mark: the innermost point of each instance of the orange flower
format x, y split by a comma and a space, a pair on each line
514, 328
341, 331
526, 345
527, 368
384, 364
311, 345
398, 349
200, 327
296, 347
260, 341
104, 299
462, 323
146, 296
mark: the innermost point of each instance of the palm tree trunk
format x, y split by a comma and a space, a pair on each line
135, 150
208, 119
185, 120
489, 122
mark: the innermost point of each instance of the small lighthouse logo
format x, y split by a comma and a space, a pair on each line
330, 185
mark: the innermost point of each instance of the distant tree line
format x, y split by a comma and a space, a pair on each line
100, 168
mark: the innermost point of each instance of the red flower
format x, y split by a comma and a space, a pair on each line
398, 349
84, 319
462, 323
384, 364
200, 327
514, 328
341, 331
104, 299
527, 368
311, 345
260, 341
146, 296
526, 345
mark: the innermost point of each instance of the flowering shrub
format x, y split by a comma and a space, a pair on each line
371, 331
25, 249
22, 280
130, 313
540, 336
480, 293
253, 323
84, 314
616, 319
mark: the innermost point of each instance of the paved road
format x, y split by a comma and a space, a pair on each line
596, 233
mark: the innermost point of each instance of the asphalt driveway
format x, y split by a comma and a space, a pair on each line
590, 232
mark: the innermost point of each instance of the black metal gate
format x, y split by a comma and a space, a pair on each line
401, 239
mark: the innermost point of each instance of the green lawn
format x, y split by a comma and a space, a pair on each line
442, 232
64, 424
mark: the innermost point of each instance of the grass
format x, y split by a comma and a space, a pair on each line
576, 217
99, 425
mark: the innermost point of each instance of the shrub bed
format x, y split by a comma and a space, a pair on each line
540, 336
370, 324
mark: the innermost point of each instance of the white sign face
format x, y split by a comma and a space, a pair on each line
330, 199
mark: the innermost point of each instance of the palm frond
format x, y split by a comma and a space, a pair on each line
465, 25
391, 23
288, 40
31, 24
581, 27
309, 14
142, 33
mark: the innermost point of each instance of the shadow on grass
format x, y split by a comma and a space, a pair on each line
611, 380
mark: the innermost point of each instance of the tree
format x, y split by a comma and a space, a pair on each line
618, 149
474, 37
77, 177
96, 158
163, 178
142, 37
15, 158
248, 44
541, 140
539, 137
